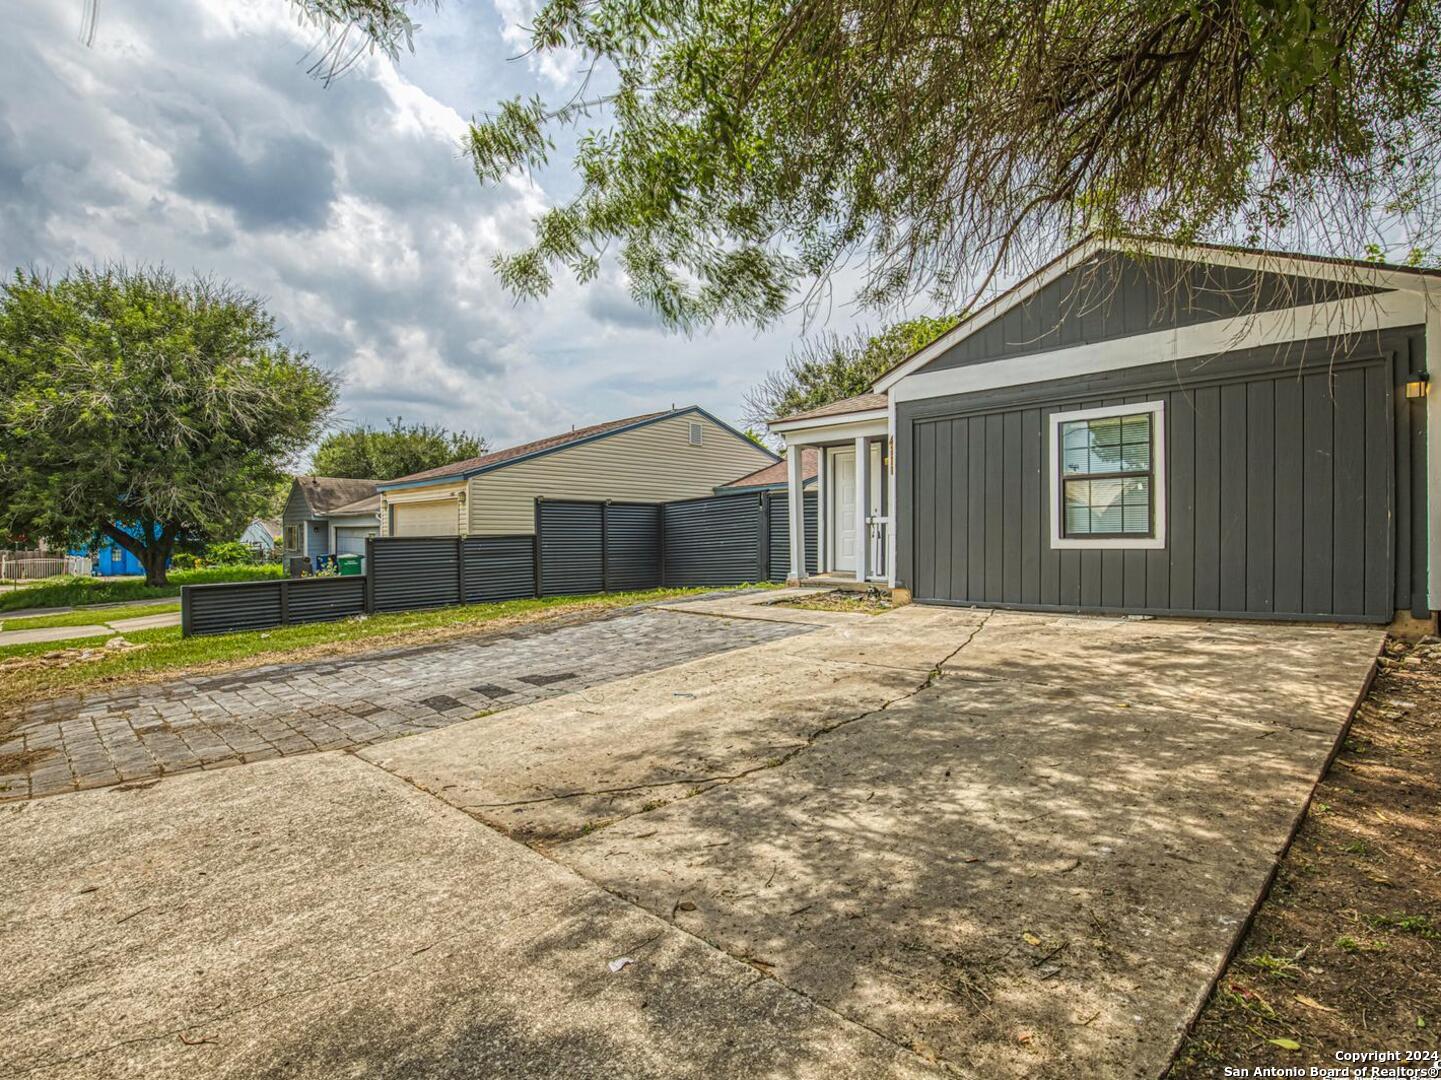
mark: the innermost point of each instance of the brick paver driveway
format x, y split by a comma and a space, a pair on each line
141, 732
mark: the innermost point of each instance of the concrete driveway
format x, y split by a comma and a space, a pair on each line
931, 841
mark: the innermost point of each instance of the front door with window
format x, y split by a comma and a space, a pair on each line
841, 494
842, 483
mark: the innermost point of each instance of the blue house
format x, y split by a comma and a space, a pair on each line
112, 560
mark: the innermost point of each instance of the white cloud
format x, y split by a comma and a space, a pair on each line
559, 67
190, 134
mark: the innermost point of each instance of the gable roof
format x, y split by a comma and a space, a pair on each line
270, 528
368, 505
775, 475
460, 470
324, 493
1361, 272
859, 403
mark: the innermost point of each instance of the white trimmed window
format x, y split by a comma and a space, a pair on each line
1108, 477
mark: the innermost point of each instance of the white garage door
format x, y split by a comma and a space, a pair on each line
438, 518
350, 540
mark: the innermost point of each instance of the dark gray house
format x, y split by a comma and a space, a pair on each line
327, 514
1153, 429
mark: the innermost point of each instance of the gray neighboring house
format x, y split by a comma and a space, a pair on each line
262, 535
327, 515
1153, 429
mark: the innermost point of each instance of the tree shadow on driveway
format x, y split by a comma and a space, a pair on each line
1032, 866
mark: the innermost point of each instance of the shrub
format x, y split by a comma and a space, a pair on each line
72, 591
229, 553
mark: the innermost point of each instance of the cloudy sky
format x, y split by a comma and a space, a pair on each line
189, 132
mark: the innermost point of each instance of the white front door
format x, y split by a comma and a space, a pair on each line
842, 482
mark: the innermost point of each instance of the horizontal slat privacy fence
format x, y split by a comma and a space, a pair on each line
592, 547
403, 573
717, 541
579, 548
259, 605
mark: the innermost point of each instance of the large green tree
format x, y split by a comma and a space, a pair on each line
733, 152
367, 452
145, 409
833, 366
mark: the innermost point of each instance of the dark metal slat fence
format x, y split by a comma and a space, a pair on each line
579, 548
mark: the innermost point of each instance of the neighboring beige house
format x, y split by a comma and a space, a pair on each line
678, 454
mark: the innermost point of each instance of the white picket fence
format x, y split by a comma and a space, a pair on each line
29, 565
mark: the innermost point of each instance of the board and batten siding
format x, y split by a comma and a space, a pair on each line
651, 463
1113, 296
1295, 483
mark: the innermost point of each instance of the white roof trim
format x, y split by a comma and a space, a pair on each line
847, 431
988, 314
827, 421
1376, 277
1360, 314
1380, 277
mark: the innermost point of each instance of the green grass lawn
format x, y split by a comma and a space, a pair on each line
165, 650
77, 591
89, 615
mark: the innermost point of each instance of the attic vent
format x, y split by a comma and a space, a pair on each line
695, 434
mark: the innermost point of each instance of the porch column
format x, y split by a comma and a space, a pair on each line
795, 506
863, 507
822, 563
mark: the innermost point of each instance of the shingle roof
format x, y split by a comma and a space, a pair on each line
325, 493
551, 442
368, 505
775, 474
859, 403
1301, 256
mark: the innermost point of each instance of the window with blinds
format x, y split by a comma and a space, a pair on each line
1107, 477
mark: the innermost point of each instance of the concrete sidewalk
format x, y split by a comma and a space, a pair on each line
96, 629
25, 613
43, 634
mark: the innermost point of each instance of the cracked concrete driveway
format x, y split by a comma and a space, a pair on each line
931, 841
